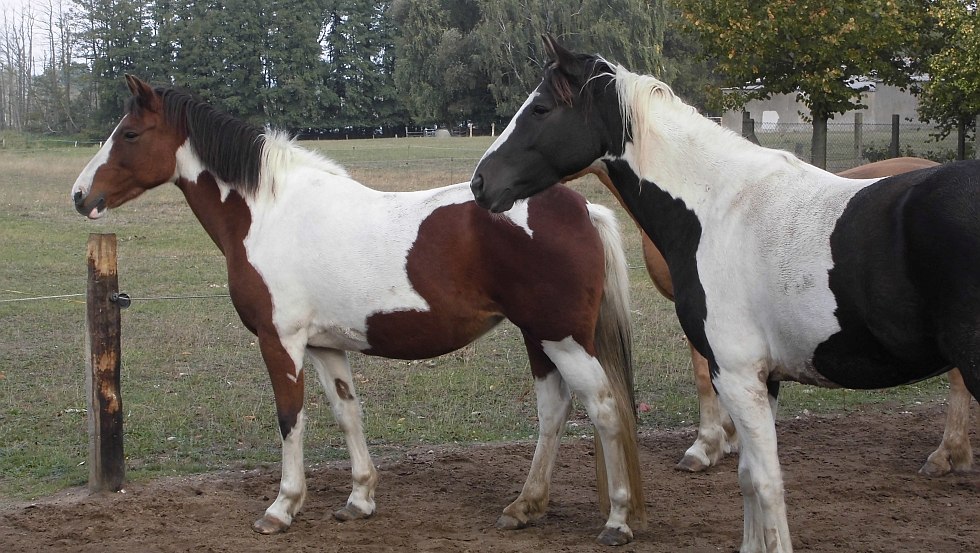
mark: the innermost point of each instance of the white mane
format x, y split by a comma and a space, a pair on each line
667, 132
281, 154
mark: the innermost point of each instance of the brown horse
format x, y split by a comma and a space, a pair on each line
716, 432
319, 265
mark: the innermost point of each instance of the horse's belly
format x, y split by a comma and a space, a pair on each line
856, 358
338, 337
420, 335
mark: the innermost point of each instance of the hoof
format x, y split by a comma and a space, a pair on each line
691, 464
614, 536
269, 525
507, 522
935, 469
350, 512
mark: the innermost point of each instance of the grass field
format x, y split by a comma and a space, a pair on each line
195, 393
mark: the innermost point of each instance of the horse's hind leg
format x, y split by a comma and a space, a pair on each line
716, 432
554, 404
954, 453
334, 372
587, 379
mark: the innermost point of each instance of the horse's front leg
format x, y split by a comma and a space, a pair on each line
554, 405
285, 371
746, 396
954, 454
333, 369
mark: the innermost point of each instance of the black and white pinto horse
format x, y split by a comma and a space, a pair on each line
781, 271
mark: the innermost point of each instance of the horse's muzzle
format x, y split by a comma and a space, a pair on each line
97, 208
476, 186
484, 200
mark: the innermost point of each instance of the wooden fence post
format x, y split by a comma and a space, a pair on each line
858, 137
105, 414
893, 147
976, 138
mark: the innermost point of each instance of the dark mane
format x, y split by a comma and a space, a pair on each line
566, 87
228, 146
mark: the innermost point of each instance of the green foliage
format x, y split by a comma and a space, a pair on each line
358, 53
117, 39
438, 74
951, 97
811, 49
691, 74
339, 64
629, 32
220, 54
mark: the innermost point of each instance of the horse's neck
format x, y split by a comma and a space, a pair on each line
694, 159
222, 211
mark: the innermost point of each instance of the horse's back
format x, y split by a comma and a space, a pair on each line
887, 167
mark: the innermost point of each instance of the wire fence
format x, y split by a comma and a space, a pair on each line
125, 297
850, 145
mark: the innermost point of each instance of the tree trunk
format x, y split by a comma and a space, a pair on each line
818, 145
961, 138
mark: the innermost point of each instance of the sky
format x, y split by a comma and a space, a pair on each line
7, 5
10, 10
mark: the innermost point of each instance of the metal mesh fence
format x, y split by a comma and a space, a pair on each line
849, 146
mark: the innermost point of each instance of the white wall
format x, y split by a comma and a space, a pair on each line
882, 103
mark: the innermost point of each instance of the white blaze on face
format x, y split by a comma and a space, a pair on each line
510, 126
84, 181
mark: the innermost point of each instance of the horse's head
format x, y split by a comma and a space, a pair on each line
138, 155
570, 120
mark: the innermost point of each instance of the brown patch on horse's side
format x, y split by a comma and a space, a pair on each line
342, 389
227, 223
473, 268
443, 266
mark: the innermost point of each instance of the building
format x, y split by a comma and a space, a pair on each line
784, 109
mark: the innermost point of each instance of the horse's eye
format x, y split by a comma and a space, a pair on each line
131, 135
540, 109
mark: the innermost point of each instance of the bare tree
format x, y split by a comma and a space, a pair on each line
17, 65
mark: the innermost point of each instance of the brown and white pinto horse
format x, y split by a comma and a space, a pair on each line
781, 270
319, 265
716, 431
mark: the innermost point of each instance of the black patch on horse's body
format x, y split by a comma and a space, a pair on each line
897, 266
676, 231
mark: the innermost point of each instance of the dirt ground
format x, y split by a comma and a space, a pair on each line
851, 487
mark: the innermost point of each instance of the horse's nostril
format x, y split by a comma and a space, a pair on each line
477, 184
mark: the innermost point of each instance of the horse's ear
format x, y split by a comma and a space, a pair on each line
562, 58
139, 89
